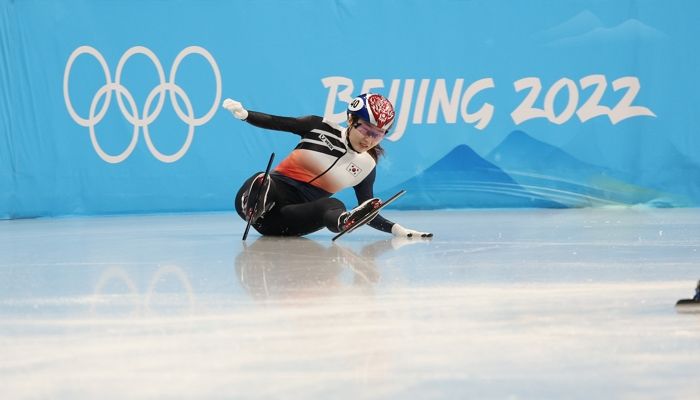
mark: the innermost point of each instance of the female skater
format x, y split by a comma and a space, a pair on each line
296, 198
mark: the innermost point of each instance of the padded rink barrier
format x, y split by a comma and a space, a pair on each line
114, 107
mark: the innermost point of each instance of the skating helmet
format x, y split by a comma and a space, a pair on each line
373, 108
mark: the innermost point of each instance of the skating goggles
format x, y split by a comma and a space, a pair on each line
369, 130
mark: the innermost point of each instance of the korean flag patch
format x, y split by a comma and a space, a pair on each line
354, 169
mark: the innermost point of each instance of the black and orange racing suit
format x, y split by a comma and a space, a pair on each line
323, 163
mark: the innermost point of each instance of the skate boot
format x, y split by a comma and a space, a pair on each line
255, 202
350, 218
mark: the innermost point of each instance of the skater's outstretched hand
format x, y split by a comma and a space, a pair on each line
399, 231
236, 108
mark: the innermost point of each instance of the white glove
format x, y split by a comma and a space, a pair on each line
399, 231
236, 108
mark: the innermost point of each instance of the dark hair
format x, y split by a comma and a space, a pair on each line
376, 151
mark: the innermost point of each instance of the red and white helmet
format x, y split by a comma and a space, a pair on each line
373, 108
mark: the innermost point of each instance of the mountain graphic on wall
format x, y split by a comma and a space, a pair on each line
658, 164
463, 179
555, 174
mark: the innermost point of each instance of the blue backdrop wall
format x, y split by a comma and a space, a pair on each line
113, 107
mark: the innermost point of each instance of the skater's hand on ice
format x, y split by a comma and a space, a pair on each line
236, 108
399, 231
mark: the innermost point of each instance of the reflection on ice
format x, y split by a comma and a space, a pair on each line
280, 268
116, 289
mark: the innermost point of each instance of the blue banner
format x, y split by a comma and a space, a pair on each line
115, 107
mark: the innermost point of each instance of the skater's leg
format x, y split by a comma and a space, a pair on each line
331, 213
272, 198
295, 221
304, 218
300, 218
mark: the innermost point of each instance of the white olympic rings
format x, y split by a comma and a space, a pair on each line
147, 117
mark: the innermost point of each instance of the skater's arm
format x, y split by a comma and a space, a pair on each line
274, 122
287, 124
364, 191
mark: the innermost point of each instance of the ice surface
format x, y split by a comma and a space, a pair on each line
500, 304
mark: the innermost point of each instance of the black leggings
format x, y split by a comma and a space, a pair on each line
292, 215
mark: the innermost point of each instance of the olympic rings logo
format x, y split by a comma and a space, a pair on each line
147, 116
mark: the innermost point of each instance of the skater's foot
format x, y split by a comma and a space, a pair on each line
259, 189
349, 218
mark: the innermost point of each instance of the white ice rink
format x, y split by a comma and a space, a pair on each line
536, 304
